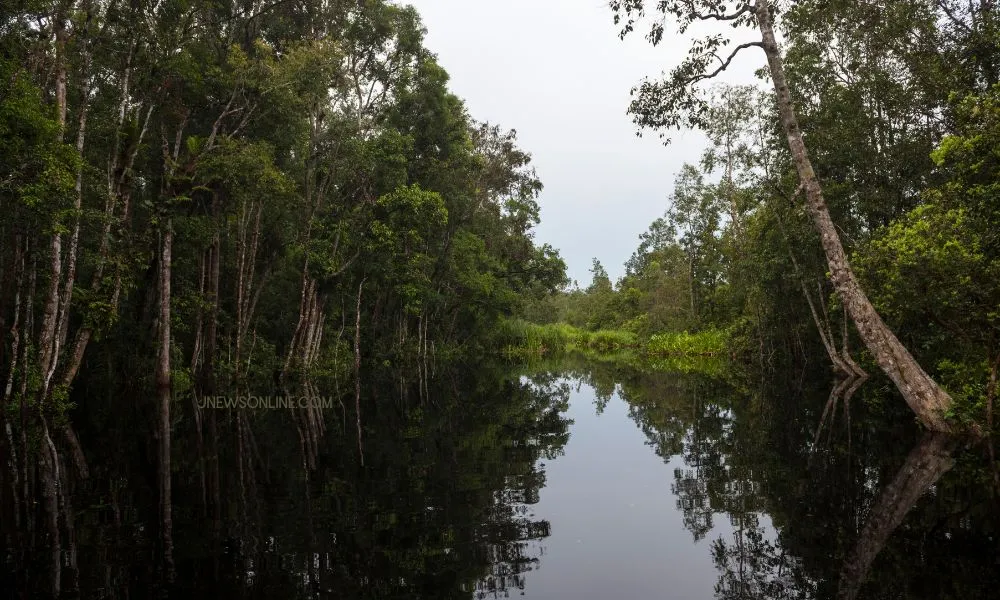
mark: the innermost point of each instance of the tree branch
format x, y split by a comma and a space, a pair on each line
725, 63
943, 5
696, 16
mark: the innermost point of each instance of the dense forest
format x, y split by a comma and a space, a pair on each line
220, 198
898, 104
204, 198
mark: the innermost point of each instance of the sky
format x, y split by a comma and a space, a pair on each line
557, 73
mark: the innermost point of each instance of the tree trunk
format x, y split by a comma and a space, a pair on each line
207, 379
247, 288
46, 350
921, 393
49, 475
306, 294
357, 371
164, 395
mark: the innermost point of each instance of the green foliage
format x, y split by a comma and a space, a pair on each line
37, 170
914, 197
930, 261
704, 343
681, 352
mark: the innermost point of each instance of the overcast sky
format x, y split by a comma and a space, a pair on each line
556, 71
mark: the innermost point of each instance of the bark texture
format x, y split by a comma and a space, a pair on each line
164, 394
924, 396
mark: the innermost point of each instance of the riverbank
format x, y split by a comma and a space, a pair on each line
521, 340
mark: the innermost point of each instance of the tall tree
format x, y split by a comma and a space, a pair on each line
677, 101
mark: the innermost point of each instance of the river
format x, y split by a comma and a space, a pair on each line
617, 524
576, 480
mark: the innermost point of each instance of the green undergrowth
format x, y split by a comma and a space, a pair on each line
578, 364
711, 342
685, 352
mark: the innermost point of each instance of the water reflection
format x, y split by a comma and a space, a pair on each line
674, 486
924, 466
873, 511
438, 509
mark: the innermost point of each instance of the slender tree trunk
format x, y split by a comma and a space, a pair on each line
15, 330
694, 310
59, 29
247, 288
163, 392
357, 370
194, 368
163, 377
199, 319
206, 379
304, 300
212, 323
49, 473
29, 324
921, 393
17, 460
50, 318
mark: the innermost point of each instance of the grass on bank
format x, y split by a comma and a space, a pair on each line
521, 339
711, 342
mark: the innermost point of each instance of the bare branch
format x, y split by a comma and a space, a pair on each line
955, 20
725, 63
697, 16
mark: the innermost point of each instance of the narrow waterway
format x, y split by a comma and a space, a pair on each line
574, 481
617, 530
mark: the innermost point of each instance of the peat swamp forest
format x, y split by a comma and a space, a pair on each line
789, 393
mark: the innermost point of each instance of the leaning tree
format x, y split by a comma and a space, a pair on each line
678, 100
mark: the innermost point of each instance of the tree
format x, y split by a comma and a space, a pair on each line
677, 101
198, 199
696, 212
600, 299
936, 268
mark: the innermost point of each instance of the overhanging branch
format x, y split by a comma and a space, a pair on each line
725, 63
697, 16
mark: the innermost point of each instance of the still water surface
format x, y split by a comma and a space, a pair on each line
616, 528
579, 481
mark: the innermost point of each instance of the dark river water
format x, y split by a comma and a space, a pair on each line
617, 525
573, 480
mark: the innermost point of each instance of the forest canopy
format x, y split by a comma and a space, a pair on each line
220, 197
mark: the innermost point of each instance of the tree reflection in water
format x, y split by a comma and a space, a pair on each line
851, 517
442, 506
438, 509
926, 463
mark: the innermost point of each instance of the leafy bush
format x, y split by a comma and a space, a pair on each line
520, 339
704, 343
